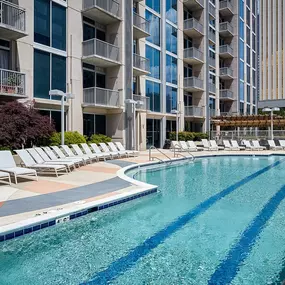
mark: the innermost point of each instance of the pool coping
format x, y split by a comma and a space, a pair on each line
30, 225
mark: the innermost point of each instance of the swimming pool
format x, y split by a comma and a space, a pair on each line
220, 220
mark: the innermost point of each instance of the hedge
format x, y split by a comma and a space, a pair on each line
188, 136
98, 138
69, 138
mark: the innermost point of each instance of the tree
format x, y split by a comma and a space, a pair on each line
22, 125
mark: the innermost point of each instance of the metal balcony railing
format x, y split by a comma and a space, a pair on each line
12, 82
145, 103
193, 24
226, 4
140, 22
96, 96
193, 111
212, 10
141, 62
193, 82
212, 61
212, 36
110, 6
226, 49
100, 48
226, 94
226, 27
212, 88
226, 71
193, 53
212, 112
12, 16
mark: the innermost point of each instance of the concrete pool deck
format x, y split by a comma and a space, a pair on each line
53, 195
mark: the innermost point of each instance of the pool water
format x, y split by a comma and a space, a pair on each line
219, 220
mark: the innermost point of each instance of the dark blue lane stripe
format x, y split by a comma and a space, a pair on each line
229, 267
122, 264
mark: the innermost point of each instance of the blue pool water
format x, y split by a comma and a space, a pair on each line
219, 220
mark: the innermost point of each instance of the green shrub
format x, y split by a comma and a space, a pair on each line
69, 138
98, 138
188, 136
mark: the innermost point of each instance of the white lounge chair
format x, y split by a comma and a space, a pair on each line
7, 164
229, 146
282, 143
131, 152
273, 146
237, 146
107, 150
114, 149
69, 153
248, 146
185, 147
4, 176
256, 144
175, 145
38, 159
87, 150
44, 168
193, 146
206, 145
79, 152
61, 155
214, 145
97, 150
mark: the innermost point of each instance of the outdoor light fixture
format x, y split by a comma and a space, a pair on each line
271, 110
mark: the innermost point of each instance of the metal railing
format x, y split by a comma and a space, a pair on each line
212, 61
101, 97
226, 71
141, 62
11, 15
177, 152
212, 88
12, 82
212, 10
226, 94
100, 48
140, 22
212, 36
194, 82
145, 102
212, 112
193, 24
226, 27
151, 158
111, 6
193, 111
225, 113
193, 53
226, 4
226, 49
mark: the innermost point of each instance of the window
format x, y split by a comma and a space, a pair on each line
94, 124
248, 93
247, 16
4, 54
241, 28
248, 74
248, 109
50, 24
153, 133
154, 5
171, 39
188, 71
241, 9
248, 54
241, 108
153, 92
241, 49
248, 35
171, 99
171, 11
154, 28
154, 61
55, 117
253, 78
49, 73
241, 70
253, 60
253, 95
170, 127
171, 69
241, 91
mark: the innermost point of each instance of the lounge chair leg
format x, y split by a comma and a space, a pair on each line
9, 180
16, 180
56, 173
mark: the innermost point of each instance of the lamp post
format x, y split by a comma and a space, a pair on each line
177, 122
271, 110
63, 95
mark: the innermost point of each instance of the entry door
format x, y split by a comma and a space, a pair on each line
153, 133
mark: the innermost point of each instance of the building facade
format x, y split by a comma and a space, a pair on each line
272, 46
137, 69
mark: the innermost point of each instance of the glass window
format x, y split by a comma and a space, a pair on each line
248, 93
248, 35
248, 109
241, 49
253, 95
253, 60
42, 22
58, 73
248, 74
154, 61
170, 127
241, 9
88, 32
253, 24
248, 54
171, 10
241, 28
58, 26
153, 92
171, 99
241, 91
153, 133
253, 77
41, 74
154, 5
88, 78
241, 108
171, 39
94, 124
241, 70
55, 117
212, 103
247, 16
154, 28
188, 71
171, 69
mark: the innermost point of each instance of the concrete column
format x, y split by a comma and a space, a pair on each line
280, 24
163, 71
283, 49
206, 66
269, 13
274, 49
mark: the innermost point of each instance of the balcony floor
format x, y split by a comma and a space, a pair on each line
192, 33
139, 33
226, 55
226, 77
193, 89
226, 12
192, 5
100, 61
11, 96
226, 99
139, 72
9, 33
192, 60
226, 33
101, 16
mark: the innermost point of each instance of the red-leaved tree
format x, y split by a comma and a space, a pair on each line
22, 125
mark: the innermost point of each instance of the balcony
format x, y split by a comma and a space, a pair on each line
101, 97
193, 56
12, 21
100, 53
226, 73
226, 51
141, 27
212, 11
212, 112
226, 29
226, 8
12, 84
212, 63
103, 11
141, 65
212, 36
193, 84
212, 88
144, 102
226, 95
192, 28
193, 112
194, 5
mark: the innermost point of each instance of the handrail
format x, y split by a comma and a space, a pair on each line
150, 157
177, 154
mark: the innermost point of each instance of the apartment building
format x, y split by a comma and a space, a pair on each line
137, 69
272, 46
